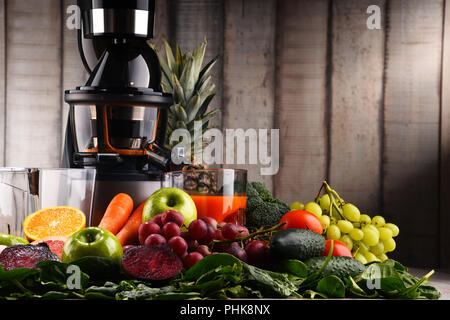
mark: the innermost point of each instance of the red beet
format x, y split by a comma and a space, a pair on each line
151, 262
25, 256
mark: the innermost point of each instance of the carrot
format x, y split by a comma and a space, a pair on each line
117, 213
129, 232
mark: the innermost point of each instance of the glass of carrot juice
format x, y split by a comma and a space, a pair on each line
217, 193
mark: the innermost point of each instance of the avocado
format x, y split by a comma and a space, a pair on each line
341, 267
297, 244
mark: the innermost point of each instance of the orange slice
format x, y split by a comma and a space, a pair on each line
53, 222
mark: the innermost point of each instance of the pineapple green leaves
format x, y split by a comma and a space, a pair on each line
190, 84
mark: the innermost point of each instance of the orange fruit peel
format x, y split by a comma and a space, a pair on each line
58, 221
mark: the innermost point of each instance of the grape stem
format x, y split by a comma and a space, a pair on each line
320, 191
332, 194
329, 190
251, 235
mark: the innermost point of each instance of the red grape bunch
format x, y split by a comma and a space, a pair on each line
201, 238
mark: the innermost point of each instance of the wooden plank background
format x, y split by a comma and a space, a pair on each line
444, 217
33, 83
367, 110
2, 83
355, 102
411, 124
249, 69
302, 29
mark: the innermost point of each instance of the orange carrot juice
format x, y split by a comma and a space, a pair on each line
221, 208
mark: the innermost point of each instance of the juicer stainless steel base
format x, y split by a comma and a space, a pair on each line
105, 190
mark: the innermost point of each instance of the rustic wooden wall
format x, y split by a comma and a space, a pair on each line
411, 124
33, 83
367, 110
301, 103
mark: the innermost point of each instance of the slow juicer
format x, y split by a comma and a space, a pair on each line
117, 121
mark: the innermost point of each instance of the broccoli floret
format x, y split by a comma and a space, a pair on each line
262, 208
267, 214
251, 191
283, 206
262, 190
254, 202
253, 198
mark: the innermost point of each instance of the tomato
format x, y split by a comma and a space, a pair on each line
339, 249
300, 219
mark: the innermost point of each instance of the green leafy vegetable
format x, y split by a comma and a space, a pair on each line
332, 287
294, 267
210, 263
390, 279
218, 276
262, 208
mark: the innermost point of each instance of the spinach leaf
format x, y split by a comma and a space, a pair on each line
213, 281
429, 292
312, 294
384, 278
209, 263
17, 274
239, 291
231, 272
414, 291
143, 292
392, 280
224, 276
109, 289
99, 268
294, 267
56, 273
355, 290
56, 295
281, 284
331, 286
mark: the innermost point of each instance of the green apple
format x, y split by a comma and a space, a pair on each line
170, 199
10, 240
92, 241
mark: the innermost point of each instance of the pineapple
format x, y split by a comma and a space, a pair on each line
189, 83
192, 91
202, 182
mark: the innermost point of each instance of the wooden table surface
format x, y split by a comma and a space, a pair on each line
440, 280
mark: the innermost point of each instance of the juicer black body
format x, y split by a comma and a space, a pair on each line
124, 73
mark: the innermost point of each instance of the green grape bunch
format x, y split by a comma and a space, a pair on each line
368, 238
